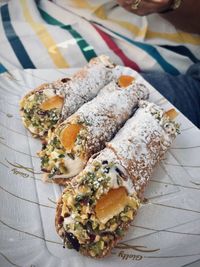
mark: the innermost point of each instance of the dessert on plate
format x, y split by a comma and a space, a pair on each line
86, 132
97, 207
41, 109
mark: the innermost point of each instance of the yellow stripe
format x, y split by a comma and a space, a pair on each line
82, 4
45, 38
178, 37
101, 13
139, 32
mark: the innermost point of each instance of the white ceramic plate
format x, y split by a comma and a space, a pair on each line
166, 231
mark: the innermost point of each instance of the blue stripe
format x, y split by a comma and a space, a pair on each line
182, 50
85, 48
14, 40
151, 50
2, 69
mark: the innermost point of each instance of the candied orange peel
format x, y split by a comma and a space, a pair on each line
125, 80
53, 102
171, 113
111, 204
69, 134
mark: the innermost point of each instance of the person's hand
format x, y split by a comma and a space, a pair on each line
145, 7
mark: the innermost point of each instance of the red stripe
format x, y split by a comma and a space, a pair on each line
113, 46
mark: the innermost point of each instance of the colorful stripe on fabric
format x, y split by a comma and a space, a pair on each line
45, 38
113, 46
182, 50
151, 50
145, 32
85, 48
14, 40
2, 68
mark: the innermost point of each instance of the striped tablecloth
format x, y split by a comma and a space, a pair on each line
68, 33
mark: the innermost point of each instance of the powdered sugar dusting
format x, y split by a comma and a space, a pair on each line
105, 114
85, 84
54, 88
141, 143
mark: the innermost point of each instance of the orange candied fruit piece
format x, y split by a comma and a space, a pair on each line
53, 102
171, 113
69, 134
111, 204
125, 80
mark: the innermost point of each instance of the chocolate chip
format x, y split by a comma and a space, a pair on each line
89, 228
85, 201
121, 173
118, 170
65, 80
90, 231
73, 241
106, 170
92, 237
104, 162
42, 113
44, 145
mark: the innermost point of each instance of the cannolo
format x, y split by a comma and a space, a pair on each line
97, 207
85, 132
43, 107
40, 109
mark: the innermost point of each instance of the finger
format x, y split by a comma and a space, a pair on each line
146, 7
160, 4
